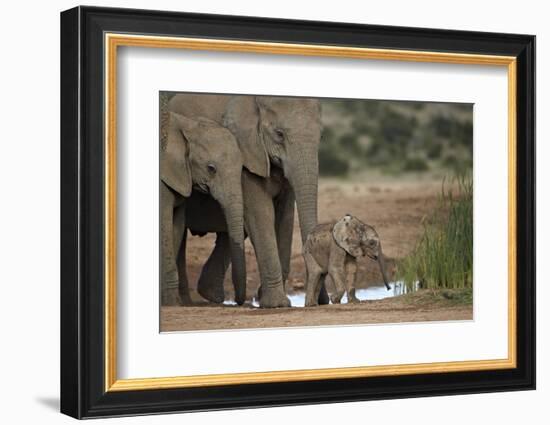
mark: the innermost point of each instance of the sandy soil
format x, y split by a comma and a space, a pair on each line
395, 208
418, 307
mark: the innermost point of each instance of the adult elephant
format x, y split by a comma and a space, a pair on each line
279, 140
199, 159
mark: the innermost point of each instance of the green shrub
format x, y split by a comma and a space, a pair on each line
463, 133
415, 164
349, 143
450, 161
332, 165
378, 156
433, 148
459, 162
332, 160
417, 106
362, 126
442, 126
396, 130
371, 107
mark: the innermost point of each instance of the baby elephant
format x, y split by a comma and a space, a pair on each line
333, 247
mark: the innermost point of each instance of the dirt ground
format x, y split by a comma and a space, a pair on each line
422, 306
395, 208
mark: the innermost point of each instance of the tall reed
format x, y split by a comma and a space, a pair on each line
443, 257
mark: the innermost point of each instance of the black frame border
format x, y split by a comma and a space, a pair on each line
82, 212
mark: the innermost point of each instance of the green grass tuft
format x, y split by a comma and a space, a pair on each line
443, 258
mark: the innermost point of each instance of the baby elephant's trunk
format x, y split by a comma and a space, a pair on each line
382, 264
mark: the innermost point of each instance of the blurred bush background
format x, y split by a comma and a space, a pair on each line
395, 137
388, 137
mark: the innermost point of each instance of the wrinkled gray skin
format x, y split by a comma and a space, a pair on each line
332, 249
199, 161
279, 140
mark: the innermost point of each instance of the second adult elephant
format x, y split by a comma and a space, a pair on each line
279, 139
199, 160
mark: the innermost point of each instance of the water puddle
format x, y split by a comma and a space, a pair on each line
297, 299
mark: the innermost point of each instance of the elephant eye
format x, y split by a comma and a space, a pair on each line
279, 135
212, 168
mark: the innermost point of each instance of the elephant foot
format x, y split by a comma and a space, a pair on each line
273, 297
310, 302
240, 298
185, 298
352, 298
171, 297
335, 299
211, 291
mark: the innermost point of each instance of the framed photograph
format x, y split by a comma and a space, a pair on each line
261, 212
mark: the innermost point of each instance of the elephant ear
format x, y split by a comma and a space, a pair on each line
242, 118
347, 237
175, 168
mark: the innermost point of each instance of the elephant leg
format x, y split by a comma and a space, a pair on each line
210, 284
284, 225
180, 243
259, 215
182, 271
284, 228
322, 278
323, 294
329, 286
185, 296
351, 265
313, 274
339, 283
169, 272
337, 272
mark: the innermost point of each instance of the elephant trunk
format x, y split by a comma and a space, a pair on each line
304, 181
382, 264
235, 228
